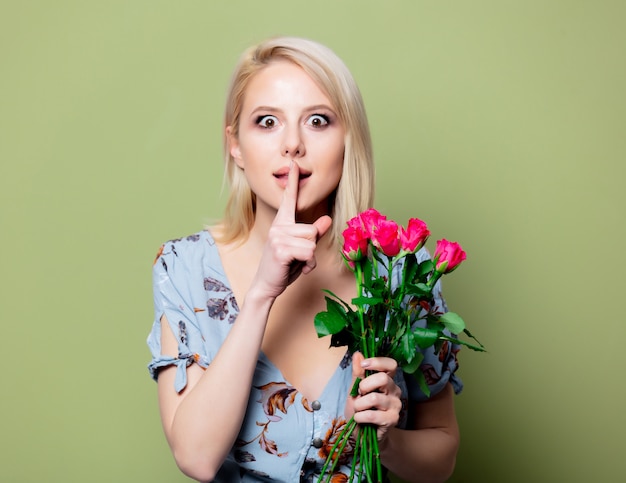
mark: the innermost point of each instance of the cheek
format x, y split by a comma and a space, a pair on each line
254, 147
338, 157
334, 148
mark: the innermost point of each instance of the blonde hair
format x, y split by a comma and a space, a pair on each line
355, 191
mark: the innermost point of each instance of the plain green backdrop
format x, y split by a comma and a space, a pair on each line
500, 123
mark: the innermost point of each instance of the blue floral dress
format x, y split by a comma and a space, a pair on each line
284, 437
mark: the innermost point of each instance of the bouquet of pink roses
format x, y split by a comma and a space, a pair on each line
391, 320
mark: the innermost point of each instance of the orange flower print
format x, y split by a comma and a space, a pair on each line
276, 396
305, 404
266, 444
159, 253
331, 438
269, 445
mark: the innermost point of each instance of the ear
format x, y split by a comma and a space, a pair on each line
233, 147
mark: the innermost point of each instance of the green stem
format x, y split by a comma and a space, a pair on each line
379, 470
402, 280
342, 440
359, 291
389, 272
434, 278
355, 457
368, 453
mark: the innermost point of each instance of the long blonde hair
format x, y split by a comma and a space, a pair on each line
355, 191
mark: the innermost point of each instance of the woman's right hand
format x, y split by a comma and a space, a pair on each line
290, 247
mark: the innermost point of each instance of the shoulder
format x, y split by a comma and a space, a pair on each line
186, 254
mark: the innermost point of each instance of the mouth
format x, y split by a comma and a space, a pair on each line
283, 174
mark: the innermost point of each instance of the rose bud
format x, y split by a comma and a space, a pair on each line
385, 237
371, 219
415, 235
448, 256
355, 242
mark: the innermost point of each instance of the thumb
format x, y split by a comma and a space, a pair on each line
323, 223
357, 370
357, 374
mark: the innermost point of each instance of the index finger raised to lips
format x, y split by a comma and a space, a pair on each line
287, 209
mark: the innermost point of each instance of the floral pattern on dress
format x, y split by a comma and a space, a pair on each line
192, 290
333, 433
278, 397
275, 397
220, 307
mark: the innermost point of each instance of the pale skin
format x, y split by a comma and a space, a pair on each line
285, 259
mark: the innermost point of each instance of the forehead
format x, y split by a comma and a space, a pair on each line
282, 84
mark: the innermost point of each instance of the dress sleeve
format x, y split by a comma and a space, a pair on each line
438, 368
172, 298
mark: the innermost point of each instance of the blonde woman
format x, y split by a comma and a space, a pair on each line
247, 391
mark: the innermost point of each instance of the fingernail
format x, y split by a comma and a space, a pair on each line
365, 363
291, 164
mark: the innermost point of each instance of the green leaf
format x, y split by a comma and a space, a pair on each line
453, 322
425, 337
466, 344
333, 320
425, 268
365, 300
414, 363
410, 267
418, 289
469, 334
336, 308
376, 288
327, 323
336, 297
406, 346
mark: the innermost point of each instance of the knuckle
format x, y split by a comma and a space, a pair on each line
273, 235
376, 399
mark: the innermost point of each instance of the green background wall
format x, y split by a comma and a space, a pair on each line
500, 123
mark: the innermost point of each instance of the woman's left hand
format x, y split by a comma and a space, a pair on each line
378, 401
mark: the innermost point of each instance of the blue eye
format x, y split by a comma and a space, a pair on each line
318, 120
267, 121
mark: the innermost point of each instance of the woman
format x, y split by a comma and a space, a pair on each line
247, 391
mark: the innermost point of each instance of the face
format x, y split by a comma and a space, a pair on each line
285, 116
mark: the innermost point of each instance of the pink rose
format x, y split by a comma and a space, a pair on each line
355, 242
355, 222
386, 238
448, 256
415, 235
371, 220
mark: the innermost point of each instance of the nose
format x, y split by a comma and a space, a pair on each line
293, 143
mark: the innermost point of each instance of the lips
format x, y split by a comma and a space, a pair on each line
283, 173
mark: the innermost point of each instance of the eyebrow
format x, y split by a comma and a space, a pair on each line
314, 108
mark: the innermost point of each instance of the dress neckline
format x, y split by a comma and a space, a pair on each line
219, 267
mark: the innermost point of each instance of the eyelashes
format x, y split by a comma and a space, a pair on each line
269, 121
318, 120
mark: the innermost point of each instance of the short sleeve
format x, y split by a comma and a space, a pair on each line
440, 368
171, 279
